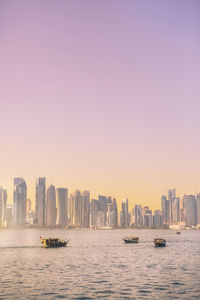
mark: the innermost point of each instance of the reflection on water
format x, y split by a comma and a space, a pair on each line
97, 264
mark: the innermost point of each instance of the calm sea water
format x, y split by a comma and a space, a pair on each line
97, 264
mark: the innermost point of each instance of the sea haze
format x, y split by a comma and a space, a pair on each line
97, 264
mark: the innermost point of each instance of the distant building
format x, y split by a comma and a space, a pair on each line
9, 215
51, 207
94, 208
19, 201
139, 218
115, 212
3, 206
85, 219
165, 210
198, 208
175, 210
40, 201
62, 200
110, 215
190, 210
28, 207
101, 219
76, 209
157, 219
124, 218
102, 203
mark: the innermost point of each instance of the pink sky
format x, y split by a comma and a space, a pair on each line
101, 95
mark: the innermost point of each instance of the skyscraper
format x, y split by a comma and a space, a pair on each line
175, 210
62, 201
85, 199
94, 207
3, 206
139, 218
28, 207
190, 210
19, 201
102, 203
171, 197
76, 208
198, 208
51, 207
124, 219
165, 207
40, 201
115, 211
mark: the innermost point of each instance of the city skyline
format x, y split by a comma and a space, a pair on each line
54, 207
48, 184
101, 96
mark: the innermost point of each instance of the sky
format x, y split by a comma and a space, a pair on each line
101, 96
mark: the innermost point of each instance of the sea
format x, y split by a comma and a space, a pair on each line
97, 264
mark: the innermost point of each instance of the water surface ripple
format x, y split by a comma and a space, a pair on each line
97, 264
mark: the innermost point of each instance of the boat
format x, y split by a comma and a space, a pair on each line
178, 232
53, 242
160, 242
131, 239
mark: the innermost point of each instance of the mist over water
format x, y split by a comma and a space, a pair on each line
97, 264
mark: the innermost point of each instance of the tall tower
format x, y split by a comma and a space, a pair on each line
19, 201
3, 206
94, 207
51, 206
62, 200
115, 211
198, 208
76, 208
190, 210
124, 214
85, 209
165, 207
40, 201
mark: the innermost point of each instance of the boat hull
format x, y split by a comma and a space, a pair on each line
160, 242
53, 243
131, 240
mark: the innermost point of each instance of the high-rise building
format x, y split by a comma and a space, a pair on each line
110, 215
28, 207
94, 208
165, 210
9, 215
76, 209
3, 206
139, 218
62, 201
19, 201
171, 197
101, 219
157, 219
124, 214
51, 206
102, 203
190, 210
115, 211
85, 199
198, 208
148, 220
175, 210
40, 201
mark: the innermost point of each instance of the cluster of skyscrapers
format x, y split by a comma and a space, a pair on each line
188, 211
54, 207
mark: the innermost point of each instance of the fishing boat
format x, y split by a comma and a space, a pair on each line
131, 239
159, 242
52, 242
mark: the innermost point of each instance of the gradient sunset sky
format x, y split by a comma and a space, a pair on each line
101, 95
